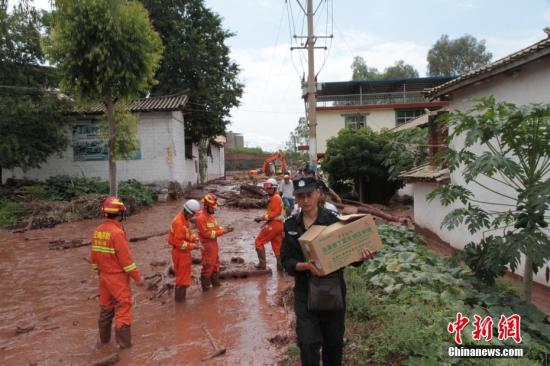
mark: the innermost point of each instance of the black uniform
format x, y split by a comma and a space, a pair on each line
315, 329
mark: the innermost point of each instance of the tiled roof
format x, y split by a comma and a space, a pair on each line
164, 103
421, 120
537, 50
426, 173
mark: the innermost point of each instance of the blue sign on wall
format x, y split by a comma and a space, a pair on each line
89, 145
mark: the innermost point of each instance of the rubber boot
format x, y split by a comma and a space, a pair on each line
205, 283
215, 279
123, 336
279, 263
104, 323
180, 293
261, 259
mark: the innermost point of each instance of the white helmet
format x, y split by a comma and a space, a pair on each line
270, 183
192, 206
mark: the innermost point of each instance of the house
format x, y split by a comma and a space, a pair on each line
375, 103
520, 78
164, 154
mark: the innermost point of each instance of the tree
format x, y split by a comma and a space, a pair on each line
514, 169
405, 150
196, 61
357, 156
105, 50
33, 118
360, 70
458, 56
299, 136
400, 70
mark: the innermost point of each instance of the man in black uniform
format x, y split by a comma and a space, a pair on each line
315, 329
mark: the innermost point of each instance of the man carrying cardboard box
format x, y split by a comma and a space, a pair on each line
315, 328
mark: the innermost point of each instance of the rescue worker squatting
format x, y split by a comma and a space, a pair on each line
111, 258
182, 240
209, 231
272, 230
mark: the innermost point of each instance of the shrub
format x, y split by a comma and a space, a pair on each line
64, 187
140, 193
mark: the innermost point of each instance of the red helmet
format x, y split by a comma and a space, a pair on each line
112, 205
210, 200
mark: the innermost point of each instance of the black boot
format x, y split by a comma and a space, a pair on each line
261, 258
123, 336
279, 263
215, 279
180, 293
205, 283
104, 323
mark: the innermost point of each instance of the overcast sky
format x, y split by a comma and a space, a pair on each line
380, 31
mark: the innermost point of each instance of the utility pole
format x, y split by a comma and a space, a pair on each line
311, 87
311, 94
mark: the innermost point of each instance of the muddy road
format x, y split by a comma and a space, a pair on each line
53, 293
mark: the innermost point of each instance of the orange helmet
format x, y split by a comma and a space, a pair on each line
210, 200
112, 205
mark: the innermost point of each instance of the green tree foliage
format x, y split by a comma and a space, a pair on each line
33, 119
405, 150
358, 156
126, 134
299, 136
105, 50
400, 70
361, 71
513, 167
452, 57
196, 61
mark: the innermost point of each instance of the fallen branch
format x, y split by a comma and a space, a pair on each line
217, 350
376, 212
145, 237
244, 273
26, 228
166, 287
76, 243
255, 190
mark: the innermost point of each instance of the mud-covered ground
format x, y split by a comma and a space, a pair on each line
54, 293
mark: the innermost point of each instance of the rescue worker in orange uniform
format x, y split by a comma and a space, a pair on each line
112, 259
209, 231
182, 240
272, 230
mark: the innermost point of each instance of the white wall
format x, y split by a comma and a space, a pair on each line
330, 122
216, 163
530, 85
162, 156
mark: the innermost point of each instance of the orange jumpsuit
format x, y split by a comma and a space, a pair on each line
112, 258
273, 230
209, 230
182, 240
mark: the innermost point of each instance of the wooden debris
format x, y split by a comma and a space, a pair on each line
24, 328
253, 189
67, 244
244, 273
26, 228
238, 260
158, 263
217, 350
145, 237
166, 287
106, 361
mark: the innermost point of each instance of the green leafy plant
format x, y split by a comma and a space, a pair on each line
505, 154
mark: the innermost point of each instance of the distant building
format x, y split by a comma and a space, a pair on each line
374, 103
234, 140
164, 154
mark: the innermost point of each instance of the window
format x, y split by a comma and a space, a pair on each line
402, 116
355, 121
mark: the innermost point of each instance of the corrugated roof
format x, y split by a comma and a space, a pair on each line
163, 103
537, 50
379, 86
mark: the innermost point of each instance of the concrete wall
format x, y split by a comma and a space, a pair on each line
530, 85
216, 162
330, 122
162, 156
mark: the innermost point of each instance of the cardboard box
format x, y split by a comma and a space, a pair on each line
335, 246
